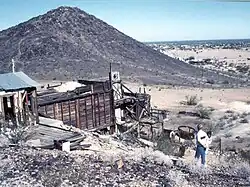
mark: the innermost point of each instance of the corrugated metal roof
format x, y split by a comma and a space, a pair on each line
16, 81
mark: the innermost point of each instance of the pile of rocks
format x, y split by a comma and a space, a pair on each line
30, 167
137, 167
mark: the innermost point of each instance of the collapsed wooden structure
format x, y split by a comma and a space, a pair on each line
97, 105
92, 105
87, 107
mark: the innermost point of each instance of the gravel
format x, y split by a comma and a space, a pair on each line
34, 167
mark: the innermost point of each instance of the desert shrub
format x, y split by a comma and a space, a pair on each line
229, 112
242, 69
220, 125
225, 117
207, 60
16, 133
235, 117
241, 168
190, 100
190, 58
244, 120
225, 82
203, 112
228, 135
244, 114
210, 81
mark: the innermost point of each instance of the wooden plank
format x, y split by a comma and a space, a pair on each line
45, 108
54, 112
62, 111
69, 112
86, 115
63, 98
98, 111
76, 114
92, 109
104, 106
86, 112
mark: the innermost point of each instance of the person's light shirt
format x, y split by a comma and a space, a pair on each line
202, 138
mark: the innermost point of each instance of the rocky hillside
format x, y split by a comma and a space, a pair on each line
69, 43
30, 167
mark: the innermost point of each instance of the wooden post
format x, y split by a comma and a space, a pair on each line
76, 116
23, 110
138, 130
92, 107
36, 107
54, 111
92, 111
99, 113
56, 105
104, 108
2, 108
17, 113
112, 108
138, 118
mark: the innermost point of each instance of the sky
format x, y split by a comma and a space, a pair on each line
148, 20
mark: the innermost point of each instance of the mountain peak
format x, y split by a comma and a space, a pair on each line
67, 42
65, 13
67, 9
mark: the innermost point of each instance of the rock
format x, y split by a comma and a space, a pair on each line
4, 141
33, 143
24, 166
120, 163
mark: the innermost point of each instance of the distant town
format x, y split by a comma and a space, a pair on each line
229, 56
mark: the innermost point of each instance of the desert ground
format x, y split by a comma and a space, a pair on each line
228, 55
168, 97
229, 118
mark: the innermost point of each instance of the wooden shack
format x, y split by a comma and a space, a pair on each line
87, 107
18, 102
94, 105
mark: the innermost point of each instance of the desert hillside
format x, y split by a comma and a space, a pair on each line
68, 43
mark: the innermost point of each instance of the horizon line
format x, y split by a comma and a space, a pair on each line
191, 40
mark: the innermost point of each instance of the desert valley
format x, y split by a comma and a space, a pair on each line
193, 82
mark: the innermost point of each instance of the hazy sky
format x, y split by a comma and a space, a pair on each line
148, 20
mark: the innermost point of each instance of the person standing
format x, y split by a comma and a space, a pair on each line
202, 144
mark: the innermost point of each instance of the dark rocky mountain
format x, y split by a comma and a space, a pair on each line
69, 43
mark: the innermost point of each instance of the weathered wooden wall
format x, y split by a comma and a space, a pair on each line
91, 111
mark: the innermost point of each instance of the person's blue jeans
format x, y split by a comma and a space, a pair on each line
200, 152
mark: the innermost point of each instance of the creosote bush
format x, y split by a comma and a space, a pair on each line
16, 133
244, 120
203, 112
190, 100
